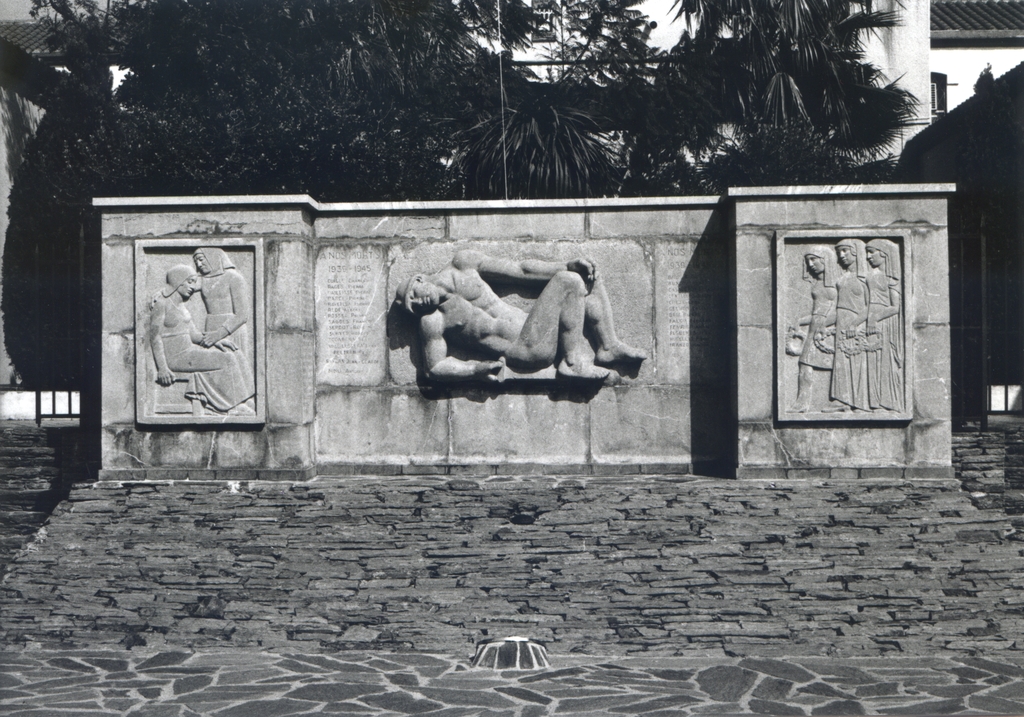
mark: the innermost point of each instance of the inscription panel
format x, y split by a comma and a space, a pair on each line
351, 311
690, 313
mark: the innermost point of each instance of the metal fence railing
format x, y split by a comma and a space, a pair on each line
57, 404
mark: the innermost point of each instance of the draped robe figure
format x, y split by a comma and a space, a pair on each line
820, 274
885, 326
228, 311
849, 370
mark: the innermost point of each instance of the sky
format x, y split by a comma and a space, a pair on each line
15, 9
660, 11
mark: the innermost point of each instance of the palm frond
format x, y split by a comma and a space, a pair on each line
783, 100
546, 147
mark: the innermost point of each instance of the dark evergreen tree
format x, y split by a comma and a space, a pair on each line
352, 100
418, 99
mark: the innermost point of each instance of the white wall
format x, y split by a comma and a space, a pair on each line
963, 65
902, 54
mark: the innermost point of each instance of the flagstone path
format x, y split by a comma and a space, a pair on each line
260, 684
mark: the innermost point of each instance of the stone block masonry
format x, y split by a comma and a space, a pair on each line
991, 467
843, 396
323, 373
341, 382
37, 467
979, 460
662, 565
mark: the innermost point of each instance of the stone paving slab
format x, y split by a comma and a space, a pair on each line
249, 683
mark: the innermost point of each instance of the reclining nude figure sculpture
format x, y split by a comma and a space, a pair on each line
458, 306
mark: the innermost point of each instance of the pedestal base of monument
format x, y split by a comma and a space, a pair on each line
507, 469
895, 473
218, 475
604, 566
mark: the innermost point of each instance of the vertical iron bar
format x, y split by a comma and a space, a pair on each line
963, 398
82, 368
958, 344
985, 353
38, 330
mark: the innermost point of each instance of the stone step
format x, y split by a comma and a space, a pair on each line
12, 543
27, 472
22, 437
24, 522
28, 461
26, 484
8, 452
28, 500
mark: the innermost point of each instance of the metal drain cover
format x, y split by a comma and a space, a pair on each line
511, 653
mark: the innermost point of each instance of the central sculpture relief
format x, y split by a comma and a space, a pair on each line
569, 326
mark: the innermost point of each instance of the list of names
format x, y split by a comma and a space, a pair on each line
350, 316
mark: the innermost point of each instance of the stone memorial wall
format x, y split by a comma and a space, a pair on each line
586, 336
684, 425
857, 328
804, 328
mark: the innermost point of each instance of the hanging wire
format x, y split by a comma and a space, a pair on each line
501, 100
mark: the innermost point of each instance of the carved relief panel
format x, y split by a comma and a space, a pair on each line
467, 332
842, 340
199, 332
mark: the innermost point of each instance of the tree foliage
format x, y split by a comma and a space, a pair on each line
762, 154
351, 100
802, 60
804, 103
547, 145
347, 100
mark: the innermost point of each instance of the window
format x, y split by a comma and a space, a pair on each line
938, 95
546, 9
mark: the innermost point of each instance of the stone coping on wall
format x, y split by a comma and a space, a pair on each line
813, 190
307, 202
491, 204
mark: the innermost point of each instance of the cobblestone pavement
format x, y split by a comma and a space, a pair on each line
260, 684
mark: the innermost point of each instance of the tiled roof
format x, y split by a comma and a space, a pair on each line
977, 15
29, 36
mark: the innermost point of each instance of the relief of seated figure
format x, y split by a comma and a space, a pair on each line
216, 375
457, 306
